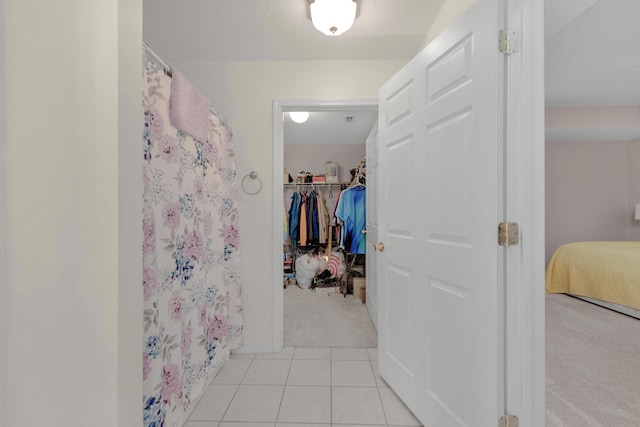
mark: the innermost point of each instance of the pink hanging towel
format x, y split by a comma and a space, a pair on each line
189, 109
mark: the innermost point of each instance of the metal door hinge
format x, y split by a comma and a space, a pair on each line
509, 42
508, 233
508, 421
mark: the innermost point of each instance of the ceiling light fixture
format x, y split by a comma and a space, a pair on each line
332, 17
299, 116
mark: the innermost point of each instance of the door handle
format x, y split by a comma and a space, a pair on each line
378, 247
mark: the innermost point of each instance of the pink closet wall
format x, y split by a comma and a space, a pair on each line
591, 191
592, 182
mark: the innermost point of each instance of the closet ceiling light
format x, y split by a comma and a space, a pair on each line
299, 116
332, 17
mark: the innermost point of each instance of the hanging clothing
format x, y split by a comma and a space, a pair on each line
323, 218
294, 218
303, 222
339, 226
314, 233
308, 219
286, 240
351, 210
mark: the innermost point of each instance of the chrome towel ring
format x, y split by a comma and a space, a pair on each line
253, 175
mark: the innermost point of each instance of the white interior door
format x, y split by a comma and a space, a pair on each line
372, 223
440, 179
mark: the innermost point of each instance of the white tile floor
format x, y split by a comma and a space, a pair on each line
301, 387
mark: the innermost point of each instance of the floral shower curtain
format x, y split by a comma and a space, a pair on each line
192, 308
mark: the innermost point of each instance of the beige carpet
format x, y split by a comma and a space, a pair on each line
321, 320
593, 365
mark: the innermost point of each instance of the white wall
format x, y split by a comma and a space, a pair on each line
450, 11
69, 353
243, 92
129, 182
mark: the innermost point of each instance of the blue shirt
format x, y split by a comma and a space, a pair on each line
351, 211
294, 218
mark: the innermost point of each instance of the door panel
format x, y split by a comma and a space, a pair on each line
450, 71
438, 281
400, 347
399, 104
446, 180
399, 217
451, 389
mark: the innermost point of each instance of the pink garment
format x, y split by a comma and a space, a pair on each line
189, 110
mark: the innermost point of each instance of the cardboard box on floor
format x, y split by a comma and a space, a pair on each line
359, 288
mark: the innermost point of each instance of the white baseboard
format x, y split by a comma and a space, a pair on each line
257, 347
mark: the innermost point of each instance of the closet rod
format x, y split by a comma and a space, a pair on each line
316, 183
342, 185
155, 58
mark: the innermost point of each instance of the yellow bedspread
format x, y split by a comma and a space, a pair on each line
608, 271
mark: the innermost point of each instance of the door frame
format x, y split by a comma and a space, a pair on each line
524, 293
281, 106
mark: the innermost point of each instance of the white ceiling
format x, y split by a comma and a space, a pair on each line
209, 30
592, 49
592, 53
330, 127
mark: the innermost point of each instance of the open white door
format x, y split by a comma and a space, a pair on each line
372, 223
440, 193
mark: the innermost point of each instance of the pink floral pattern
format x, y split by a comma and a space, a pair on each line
149, 231
193, 246
171, 382
187, 332
217, 328
192, 307
149, 283
175, 306
171, 215
198, 187
168, 149
231, 236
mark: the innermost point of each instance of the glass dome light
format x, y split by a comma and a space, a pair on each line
299, 116
333, 17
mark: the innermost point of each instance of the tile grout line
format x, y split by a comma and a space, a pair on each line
384, 410
376, 376
236, 392
284, 388
330, 386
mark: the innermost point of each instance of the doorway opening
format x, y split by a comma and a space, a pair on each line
280, 109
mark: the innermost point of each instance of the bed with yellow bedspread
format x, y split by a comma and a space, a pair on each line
606, 271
